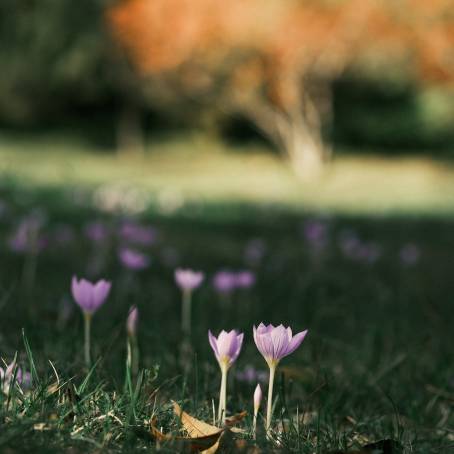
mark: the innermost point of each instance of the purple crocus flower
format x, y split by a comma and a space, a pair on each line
316, 234
7, 376
134, 233
96, 231
226, 347
274, 343
224, 282
133, 260
89, 296
244, 279
188, 280
27, 237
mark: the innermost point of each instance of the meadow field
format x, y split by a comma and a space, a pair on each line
361, 257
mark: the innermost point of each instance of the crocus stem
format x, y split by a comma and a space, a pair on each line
223, 394
87, 318
186, 312
254, 424
132, 360
270, 397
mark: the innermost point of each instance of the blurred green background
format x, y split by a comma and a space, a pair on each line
350, 110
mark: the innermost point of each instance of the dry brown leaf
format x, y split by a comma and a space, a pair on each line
193, 426
197, 444
202, 437
194, 444
229, 422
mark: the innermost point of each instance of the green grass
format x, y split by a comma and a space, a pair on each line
377, 363
193, 169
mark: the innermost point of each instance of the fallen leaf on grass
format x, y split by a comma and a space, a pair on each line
193, 426
202, 437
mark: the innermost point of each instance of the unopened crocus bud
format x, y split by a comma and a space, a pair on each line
257, 398
257, 401
132, 321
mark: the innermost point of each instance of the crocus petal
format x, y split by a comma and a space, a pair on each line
89, 296
9, 370
100, 292
263, 329
239, 343
76, 291
227, 344
188, 279
280, 340
296, 342
85, 295
226, 347
213, 342
264, 344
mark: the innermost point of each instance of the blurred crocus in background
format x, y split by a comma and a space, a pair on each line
187, 280
89, 297
226, 347
134, 233
250, 375
96, 231
254, 251
225, 282
274, 343
63, 234
13, 374
27, 236
315, 233
245, 279
132, 345
28, 239
409, 254
133, 260
354, 248
257, 402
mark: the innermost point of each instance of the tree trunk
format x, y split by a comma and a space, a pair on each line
130, 136
297, 133
302, 145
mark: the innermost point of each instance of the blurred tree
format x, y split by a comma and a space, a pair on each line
49, 50
272, 61
430, 32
